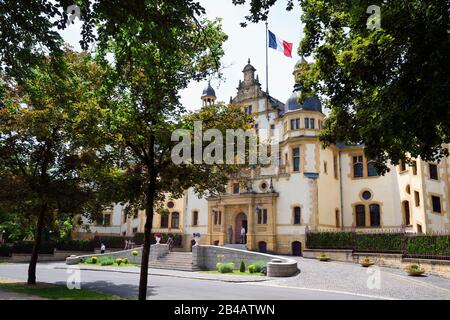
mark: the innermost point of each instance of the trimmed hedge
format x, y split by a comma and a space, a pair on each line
5, 250
27, 247
76, 245
385, 242
111, 242
330, 240
381, 242
429, 245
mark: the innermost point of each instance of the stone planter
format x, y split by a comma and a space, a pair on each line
158, 239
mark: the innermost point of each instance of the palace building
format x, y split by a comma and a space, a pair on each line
309, 188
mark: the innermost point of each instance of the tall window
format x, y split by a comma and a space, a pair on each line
406, 212
374, 215
325, 167
436, 201
164, 221
402, 165
335, 167
236, 188
175, 223
249, 110
295, 124
297, 215
312, 123
195, 218
358, 169
107, 220
433, 171
417, 198
306, 123
337, 218
125, 216
256, 129
414, 167
217, 217
360, 215
371, 170
264, 216
296, 159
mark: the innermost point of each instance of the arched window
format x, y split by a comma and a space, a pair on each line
360, 211
175, 223
296, 248
262, 246
164, 221
297, 215
374, 215
358, 169
371, 170
406, 213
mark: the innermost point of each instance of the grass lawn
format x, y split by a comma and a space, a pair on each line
235, 273
56, 292
111, 265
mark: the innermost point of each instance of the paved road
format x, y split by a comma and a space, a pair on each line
163, 287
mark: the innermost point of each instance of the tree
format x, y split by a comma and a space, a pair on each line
46, 135
153, 61
386, 88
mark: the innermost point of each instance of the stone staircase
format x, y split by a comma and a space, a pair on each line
175, 261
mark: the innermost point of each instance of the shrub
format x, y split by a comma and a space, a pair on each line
134, 253
242, 267
226, 267
106, 261
251, 268
218, 264
92, 260
329, 240
119, 261
110, 241
125, 260
258, 265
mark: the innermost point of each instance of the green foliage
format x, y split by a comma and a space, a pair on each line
386, 88
111, 241
92, 260
242, 267
27, 247
106, 261
134, 253
251, 268
429, 245
5, 250
119, 261
75, 245
379, 242
258, 265
329, 240
226, 267
125, 260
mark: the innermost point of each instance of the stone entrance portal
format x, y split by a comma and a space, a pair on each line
240, 221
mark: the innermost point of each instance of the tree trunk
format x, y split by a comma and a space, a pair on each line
37, 246
149, 205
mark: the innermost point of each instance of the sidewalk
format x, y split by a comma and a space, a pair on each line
172, 273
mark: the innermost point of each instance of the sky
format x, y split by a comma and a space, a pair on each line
242, 44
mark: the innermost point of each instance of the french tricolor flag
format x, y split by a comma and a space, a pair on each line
280, 45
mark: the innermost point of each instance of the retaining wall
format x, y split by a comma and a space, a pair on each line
207, 256
116, 254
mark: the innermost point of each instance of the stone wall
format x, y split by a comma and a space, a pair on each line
436, 267
206, 256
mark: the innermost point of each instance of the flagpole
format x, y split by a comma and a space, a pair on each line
267, 58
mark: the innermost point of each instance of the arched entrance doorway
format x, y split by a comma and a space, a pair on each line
296, 248
240, 221
262, 246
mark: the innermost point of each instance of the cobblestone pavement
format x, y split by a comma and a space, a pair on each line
352, 278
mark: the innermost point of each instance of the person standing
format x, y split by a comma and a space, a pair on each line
170, 243
243, 232
102, 248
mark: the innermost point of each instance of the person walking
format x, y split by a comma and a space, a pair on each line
102, 248
170, 243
